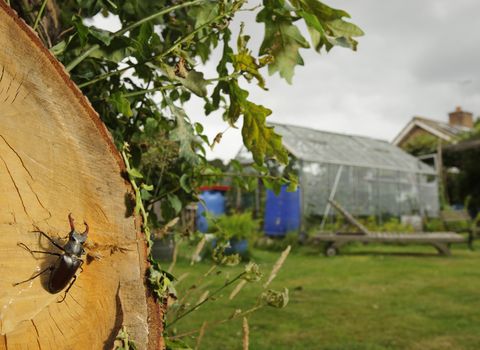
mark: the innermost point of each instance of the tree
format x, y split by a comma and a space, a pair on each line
159, 44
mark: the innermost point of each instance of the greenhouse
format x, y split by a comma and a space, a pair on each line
369, 177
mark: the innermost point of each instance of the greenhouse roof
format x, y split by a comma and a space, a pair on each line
327, 147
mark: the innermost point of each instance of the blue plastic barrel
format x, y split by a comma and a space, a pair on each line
215, 202
282, 212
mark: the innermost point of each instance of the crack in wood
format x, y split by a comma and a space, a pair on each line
56, 324
18, 91
18, 156
10, 85
16, 187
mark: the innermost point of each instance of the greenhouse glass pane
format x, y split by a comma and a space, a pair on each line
346, 189
388, 194
367, 191
316, 189
430, 195
409, 196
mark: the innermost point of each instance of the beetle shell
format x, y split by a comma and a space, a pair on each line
63, 272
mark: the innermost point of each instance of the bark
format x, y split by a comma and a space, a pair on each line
56, 158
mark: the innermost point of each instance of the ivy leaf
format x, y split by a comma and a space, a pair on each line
184, 134
282, 40
259, 138
82, 29
120, 103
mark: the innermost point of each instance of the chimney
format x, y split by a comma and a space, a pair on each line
462, 118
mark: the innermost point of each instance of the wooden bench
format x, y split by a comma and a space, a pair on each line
463, 221
440, 240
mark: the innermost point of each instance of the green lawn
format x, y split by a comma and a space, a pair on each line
369, 297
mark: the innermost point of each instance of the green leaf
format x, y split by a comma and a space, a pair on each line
175, 344
292, 187
135, 173
151, 126
267, 183
185, 183
167, 211
184, 134
117, 51
237, 165
82, 29
260, 169
282, 41
259, 138
60, 48
195, 82
204, 13
103, 35
241, 183
147, 187
175, 202
276, 187
326, 26
120, 103
252, 183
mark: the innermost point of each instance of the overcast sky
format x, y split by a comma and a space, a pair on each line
413, 61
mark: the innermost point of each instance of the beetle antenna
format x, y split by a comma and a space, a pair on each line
72, 227
86, 230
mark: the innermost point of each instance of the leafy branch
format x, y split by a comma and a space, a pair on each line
118, 33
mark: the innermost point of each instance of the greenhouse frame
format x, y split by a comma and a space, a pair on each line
369, 177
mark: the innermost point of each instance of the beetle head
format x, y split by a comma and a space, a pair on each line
73, 233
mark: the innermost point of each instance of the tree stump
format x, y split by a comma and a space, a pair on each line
56, 158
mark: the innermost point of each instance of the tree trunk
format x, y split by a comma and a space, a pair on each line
56, 158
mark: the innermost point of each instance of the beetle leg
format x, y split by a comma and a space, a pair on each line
70, 286
48, 268
51, 240
36, 251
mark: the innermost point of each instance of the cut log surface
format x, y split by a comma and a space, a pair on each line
56, 158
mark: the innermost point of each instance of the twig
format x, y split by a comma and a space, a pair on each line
192, 288
216, 323
199, 304
200, 336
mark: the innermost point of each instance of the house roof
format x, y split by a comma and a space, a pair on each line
442, 130
327, 147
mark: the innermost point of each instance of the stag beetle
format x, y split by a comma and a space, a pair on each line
67, 264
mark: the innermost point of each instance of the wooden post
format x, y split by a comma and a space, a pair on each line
56, 158
442, 183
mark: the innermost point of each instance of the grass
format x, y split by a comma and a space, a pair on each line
369, 297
